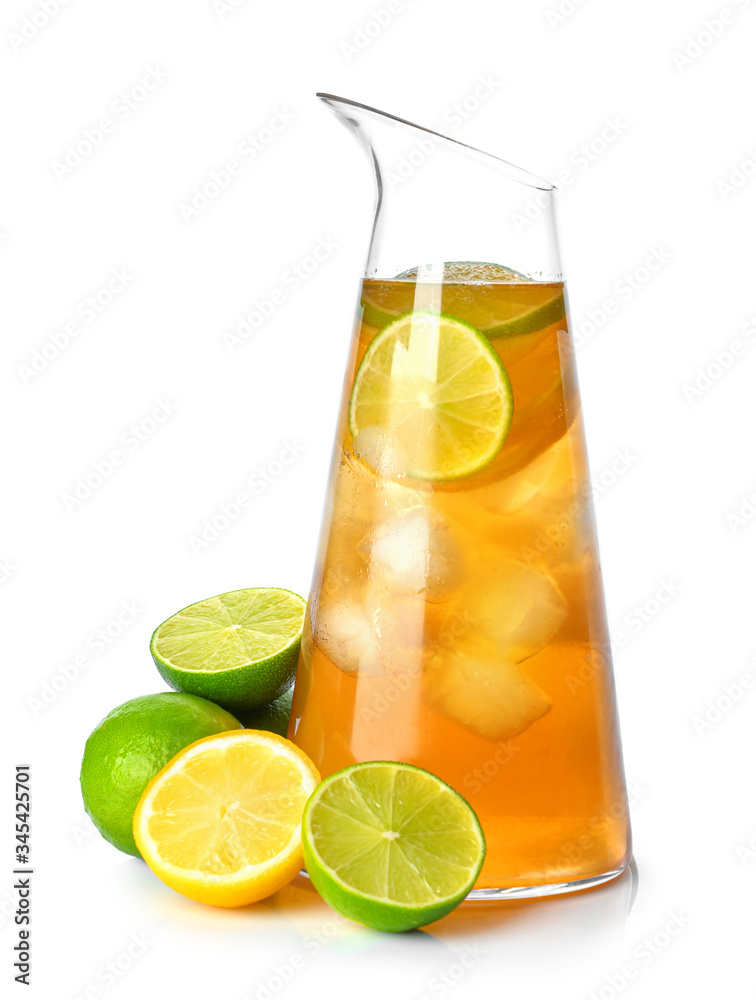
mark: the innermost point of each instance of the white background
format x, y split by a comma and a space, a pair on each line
664, 513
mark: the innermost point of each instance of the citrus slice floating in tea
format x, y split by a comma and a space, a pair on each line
239, 649
438, 391
391, 845
497, 300
469, 271
221, 823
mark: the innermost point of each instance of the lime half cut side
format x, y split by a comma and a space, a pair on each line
434, 387
390, 845
238, 649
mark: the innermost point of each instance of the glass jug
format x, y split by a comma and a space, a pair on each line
456, 619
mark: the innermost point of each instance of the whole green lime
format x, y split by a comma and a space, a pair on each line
273, 718
130, 746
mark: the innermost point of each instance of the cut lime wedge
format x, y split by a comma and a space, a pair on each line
438, 391
239, 648
390, 845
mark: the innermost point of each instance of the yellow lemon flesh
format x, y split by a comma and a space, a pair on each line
221, 823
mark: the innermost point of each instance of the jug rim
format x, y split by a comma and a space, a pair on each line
518, 174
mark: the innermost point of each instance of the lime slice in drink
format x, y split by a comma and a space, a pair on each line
438, 391
390, 845
475, 291
467, 271
239, 649
532, 318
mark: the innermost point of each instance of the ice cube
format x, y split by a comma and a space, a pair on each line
547, 472
379, 450
517, 606
349, 635
493, 698
356, 491
356, 502
366, 637
414, 553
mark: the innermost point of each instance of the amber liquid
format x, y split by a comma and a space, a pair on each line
460, 626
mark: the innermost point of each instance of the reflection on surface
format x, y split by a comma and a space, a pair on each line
597, 915
293, 943
475, 942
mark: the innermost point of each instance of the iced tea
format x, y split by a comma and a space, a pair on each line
458, 623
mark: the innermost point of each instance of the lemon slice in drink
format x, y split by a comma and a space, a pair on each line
390, 845
239, 648
437, 390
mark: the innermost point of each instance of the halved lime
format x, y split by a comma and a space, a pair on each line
390, 845
238, 649
438, 391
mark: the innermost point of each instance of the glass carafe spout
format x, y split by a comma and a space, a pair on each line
440, 199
